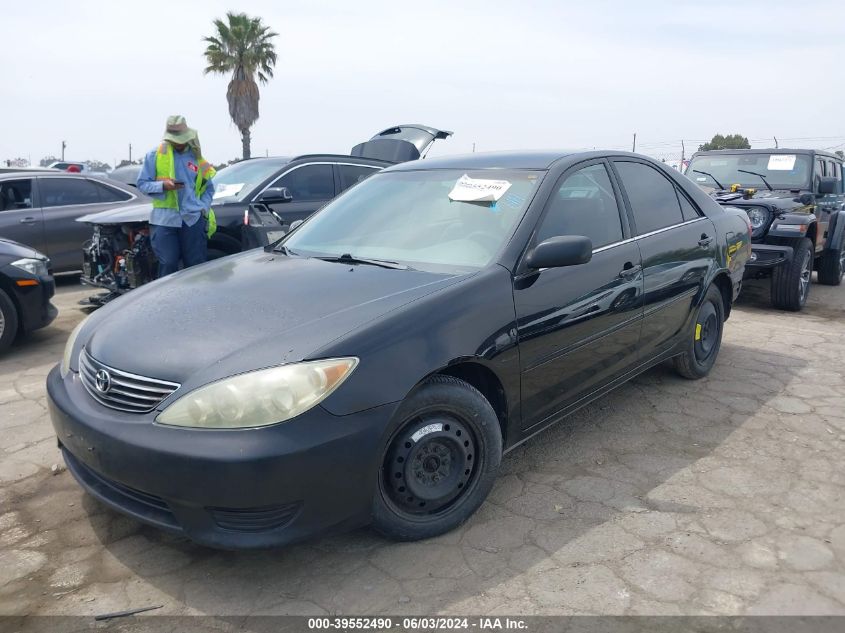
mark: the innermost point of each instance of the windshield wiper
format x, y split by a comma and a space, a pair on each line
347, 258
718, 184
761, 176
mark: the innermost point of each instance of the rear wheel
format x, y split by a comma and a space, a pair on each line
791, 282
8, 321
704, 339
441, 462
832, 266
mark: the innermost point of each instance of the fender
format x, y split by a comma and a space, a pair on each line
836, 232
801, 219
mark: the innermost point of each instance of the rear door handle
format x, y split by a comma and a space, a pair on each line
705, 240
630, 270
29, 220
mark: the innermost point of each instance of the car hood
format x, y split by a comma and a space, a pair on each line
131, 213
16, 250
245, 312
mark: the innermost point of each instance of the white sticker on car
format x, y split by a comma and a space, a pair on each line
782, 162
478, 190
224, 191
427, 430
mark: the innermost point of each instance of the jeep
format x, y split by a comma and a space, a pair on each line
795, 202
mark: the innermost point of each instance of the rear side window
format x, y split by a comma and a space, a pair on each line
15, 194
310, 182
353, 174
110, 194
584, 204
688, 211
653, 198
59, 192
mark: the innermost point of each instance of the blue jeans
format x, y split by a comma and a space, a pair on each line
186, 243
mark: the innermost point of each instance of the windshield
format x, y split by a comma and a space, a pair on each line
235, 182
782, 171
408, 217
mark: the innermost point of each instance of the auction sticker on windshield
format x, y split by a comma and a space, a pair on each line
782, 162
478, 190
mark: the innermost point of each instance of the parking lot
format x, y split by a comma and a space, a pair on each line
721, 496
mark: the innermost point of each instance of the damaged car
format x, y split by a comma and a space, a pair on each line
255, 202
389, 350
795, 202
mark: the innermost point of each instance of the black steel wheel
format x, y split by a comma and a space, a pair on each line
440, 462
705, 337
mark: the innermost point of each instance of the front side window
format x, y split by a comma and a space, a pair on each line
653, 198
409, 217
584, 204
238, 181
59, 192
311, 182
15, 194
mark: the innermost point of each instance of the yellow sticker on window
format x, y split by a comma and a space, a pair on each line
698, 331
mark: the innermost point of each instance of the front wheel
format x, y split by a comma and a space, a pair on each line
705, 338
791, 282
8, 321
441, 462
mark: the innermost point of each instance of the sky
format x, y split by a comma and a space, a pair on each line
531, 74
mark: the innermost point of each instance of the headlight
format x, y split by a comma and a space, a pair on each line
71, 341
759, 217
37, 267
259, 398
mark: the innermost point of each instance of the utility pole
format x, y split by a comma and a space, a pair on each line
683, 156
63, 149
776, 142
634, 149
130, 152
473, 148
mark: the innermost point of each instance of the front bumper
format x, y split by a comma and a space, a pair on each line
228, 489
34, 301
767, 256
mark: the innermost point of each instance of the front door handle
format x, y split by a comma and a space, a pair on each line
705, 240
630, 270
29, 220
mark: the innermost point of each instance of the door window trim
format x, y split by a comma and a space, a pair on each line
295, 167
80, 204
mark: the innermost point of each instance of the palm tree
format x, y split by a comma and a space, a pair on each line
243, 47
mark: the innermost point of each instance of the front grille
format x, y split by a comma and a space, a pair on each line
121, 390
255, 519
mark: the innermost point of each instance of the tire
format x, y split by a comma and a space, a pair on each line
791, 282
832, 266
704, 338
440, 463
8, 321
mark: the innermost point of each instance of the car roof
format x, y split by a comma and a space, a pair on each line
487, 160
767, 150
346, 158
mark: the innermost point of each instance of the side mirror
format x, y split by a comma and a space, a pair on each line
828, 184
556, 252
275, 195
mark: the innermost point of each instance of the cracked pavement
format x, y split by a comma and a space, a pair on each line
723, 496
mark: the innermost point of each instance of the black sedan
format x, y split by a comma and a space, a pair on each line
26, 286
380, 360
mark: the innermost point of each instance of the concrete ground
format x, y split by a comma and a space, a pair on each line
723, 496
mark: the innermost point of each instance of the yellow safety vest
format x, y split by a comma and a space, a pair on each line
166, 168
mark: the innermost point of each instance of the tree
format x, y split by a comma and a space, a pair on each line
242, 46
47, 160
731, 141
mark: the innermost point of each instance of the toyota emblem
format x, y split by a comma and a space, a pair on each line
103, 381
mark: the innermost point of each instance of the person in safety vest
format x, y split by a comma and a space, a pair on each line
180, 182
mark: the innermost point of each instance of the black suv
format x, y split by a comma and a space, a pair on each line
795, 201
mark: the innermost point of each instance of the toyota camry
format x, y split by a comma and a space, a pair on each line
381, 358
